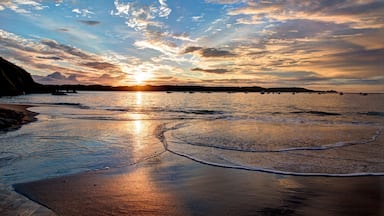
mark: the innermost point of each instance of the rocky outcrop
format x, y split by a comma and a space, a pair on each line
14, 80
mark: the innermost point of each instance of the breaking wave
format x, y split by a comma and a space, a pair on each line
320, 160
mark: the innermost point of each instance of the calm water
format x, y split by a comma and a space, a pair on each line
302, 134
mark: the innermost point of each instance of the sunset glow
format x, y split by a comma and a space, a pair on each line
141, 77
320, 45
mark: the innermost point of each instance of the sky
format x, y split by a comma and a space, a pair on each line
321, 45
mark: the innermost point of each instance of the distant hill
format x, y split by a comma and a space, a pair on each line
176, 88
15, 81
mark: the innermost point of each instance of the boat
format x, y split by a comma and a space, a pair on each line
59, 92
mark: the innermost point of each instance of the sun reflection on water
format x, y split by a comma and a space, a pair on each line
138, 133
139, 99
138, 126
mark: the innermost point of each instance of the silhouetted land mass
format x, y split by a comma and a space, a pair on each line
183, 88
15, 81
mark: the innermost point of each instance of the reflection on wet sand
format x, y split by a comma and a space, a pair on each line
133, 193
169, 185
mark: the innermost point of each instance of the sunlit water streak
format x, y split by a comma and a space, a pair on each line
302, 134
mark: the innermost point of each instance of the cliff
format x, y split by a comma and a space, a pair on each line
15, 81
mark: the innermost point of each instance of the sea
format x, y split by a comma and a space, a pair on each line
305, 134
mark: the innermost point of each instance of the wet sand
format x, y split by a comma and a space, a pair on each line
12, 117
171, 185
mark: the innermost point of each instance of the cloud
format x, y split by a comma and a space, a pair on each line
358, 14
197, 18
209, 52
164, 10
165, 47
65, 48
297, 43
224, 1
21, 6
89, 22
49, 57
216, 71
82, 12
359, 63
192, 49
107, 79
45, 55
275, 42
141, 16
182, 37
62, 29
102, 66
294, 76
58, 2
215, 53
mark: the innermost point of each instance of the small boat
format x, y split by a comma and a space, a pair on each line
59, 92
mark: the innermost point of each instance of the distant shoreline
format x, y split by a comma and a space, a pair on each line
176, 88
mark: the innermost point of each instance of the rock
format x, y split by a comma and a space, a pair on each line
14, 80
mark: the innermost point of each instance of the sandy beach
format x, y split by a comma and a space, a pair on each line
170, 185
12, 117
167, 184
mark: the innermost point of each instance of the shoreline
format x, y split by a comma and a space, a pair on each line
171, 185
13, 116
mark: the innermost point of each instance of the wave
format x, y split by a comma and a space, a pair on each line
320, 113
228, 163
66, 104
119, 109
8, 157
112, 118
299, 148
381, 114
261, 169
200, 112
274, 171
77, 105
157, 109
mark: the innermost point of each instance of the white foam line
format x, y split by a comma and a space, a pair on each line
271, 170
163, 140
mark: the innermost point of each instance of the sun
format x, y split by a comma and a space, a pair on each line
141, 77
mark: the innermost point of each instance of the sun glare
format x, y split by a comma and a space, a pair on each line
141, 77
